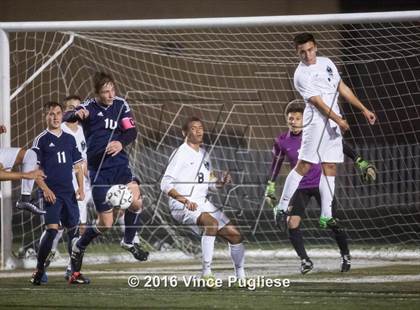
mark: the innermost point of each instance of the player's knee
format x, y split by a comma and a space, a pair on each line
293, 222
136, 205
235, 237
210, 224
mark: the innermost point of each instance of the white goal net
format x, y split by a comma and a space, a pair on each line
238, 80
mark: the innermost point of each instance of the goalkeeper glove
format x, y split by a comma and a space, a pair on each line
270, 191
366, 169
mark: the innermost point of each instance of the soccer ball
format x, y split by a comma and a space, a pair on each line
119, 196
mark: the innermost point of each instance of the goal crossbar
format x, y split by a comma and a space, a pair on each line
312, 19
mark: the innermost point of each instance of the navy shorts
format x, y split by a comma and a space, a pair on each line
301, 199
64, 211
103, 180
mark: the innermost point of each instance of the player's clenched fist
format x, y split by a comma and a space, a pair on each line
82, 114
370, 116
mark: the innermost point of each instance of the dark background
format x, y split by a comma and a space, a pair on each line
27, 10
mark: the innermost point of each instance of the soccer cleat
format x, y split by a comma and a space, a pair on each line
345, 263
210, 281
76, 257
367, 170
27, 206
306, 265
67, 274
281, 220
37, 277
49, 259
136, 250
78, 278
327, 222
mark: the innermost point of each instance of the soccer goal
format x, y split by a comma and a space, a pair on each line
237, 75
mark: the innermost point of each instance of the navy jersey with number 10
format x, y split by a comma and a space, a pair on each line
105, 124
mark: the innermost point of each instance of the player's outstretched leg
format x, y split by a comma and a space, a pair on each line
132, 224
28, 160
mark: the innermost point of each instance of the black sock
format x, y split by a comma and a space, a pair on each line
295, 237
348, 151
90, 233
71, 234
341, 238
25, 198
45, 246
131, 224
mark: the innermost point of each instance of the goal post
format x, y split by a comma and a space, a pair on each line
237, 75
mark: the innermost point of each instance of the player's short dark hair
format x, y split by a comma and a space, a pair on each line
100, 79
52, 104
303, 38
188, 121
72, 97
294, 106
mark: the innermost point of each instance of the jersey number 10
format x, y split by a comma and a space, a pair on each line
110, 124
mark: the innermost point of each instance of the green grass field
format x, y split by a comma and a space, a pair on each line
394, 285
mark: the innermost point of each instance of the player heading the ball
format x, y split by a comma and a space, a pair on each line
319, 83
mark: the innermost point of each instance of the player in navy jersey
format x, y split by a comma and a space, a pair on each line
287, 145
57, 155
109, 126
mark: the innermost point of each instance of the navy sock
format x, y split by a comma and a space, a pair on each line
90, 233
71, 234
45, 246
132, 224
295, 237
341, 239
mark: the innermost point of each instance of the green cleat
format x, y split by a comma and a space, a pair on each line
368, 171
327, 222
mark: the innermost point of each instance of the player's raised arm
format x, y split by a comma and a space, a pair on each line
348, 94
79, 114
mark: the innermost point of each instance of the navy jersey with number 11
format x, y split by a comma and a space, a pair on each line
56, 156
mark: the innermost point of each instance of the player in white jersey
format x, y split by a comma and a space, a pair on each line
319, 83
187, 180
13, 156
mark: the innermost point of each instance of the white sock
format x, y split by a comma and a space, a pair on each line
57, 239
290, 186
237, 253
136, 239
29, 164
326, 189
121, 223
207, 247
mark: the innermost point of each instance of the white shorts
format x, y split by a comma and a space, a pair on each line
83, 205
188, 217
321, 143
8, 157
